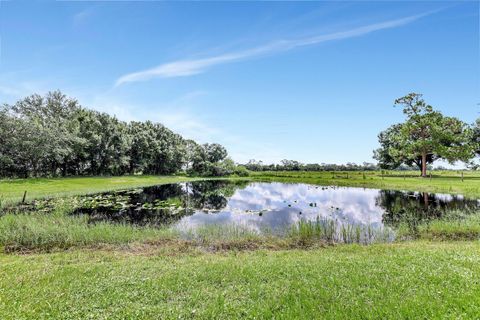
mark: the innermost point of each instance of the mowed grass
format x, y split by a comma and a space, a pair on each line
12, 191
440, 182
414, 280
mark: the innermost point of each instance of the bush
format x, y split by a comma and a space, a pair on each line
241, 171
218, 169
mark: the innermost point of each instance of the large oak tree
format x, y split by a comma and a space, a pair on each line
426, 135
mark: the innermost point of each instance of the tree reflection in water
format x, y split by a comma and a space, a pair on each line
414, 208
269, 205
159, 205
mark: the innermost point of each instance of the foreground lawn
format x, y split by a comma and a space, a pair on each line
13, 190
395, 281
440, 182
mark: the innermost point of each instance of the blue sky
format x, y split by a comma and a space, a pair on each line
311, 81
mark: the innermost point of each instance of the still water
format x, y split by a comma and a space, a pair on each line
261, 206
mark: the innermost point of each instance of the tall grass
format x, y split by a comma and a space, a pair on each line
41, 232
219, 232
32, 231
58, 229
455, 225
332, 231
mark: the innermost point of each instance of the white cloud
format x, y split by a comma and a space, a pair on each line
189, 126
182, 68
82, 17
176, 114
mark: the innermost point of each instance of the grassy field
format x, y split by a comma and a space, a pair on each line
440, 182
13, 190
415, 280
58, 266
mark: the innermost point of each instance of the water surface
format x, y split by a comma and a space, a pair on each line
266, 206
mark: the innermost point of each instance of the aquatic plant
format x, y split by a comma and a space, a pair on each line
333, 231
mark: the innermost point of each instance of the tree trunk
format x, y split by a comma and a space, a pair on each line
424, 165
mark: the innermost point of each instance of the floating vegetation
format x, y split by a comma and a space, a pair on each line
43, 206
351, 214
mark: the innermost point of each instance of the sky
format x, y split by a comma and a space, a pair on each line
310, 81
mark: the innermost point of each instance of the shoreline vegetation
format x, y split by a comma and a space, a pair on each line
12, 190
57, 265
466, 183
58, 230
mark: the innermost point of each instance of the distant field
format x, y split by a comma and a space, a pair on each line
13, 190
440, 181
415, 280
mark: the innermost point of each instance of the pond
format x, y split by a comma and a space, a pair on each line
260, 206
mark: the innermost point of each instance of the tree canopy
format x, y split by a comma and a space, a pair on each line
426, 136
54, 135
476, 137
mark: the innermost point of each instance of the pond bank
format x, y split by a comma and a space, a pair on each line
238, 215
12, 190
27, 233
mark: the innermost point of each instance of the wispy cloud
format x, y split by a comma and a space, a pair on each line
182, 68
177, 114
82, 17
180, 120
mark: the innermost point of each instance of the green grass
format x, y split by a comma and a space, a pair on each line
24, 233
441, 181
414, 280
445, 229
39, 232
59, 231
12, 190
57, 266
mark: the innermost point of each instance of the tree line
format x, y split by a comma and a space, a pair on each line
293, 165
53, 135
426, 136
